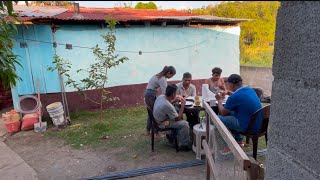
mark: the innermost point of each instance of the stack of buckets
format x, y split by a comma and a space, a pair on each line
12, 121
56, 113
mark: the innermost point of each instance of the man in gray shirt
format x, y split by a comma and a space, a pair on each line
186, 89
167, 117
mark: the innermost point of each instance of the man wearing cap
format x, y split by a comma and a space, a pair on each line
241, 104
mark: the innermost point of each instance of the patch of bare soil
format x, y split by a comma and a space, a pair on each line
52, 159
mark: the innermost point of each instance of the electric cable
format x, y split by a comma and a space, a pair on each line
127, 51
145, 171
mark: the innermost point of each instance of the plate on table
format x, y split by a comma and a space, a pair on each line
189, 103
190, 98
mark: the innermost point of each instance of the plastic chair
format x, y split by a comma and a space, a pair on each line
265, 112
154, 126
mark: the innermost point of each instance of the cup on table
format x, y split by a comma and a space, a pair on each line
197, 102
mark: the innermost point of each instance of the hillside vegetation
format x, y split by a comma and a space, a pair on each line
257, 36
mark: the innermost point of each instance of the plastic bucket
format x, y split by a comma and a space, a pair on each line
56, 113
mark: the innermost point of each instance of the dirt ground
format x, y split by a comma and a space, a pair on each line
52, 159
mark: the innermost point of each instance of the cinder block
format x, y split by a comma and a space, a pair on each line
284, 167
294, 121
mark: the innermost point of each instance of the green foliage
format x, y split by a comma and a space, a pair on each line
150, 5
256, 34
52, 3
8, 60
125, 4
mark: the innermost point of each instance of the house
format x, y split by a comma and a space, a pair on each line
150, 39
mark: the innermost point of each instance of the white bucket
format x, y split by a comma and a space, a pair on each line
56, 113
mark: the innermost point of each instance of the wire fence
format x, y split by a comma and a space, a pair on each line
229, 161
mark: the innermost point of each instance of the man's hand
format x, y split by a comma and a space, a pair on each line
176, 99
224, 93
221, 87
180, 117
219, 96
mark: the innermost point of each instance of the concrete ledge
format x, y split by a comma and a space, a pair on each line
284, 166
12, 166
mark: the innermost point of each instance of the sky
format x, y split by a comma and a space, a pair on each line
160, 4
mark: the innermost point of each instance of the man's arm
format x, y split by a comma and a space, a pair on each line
223, 85
180, 116
223, 111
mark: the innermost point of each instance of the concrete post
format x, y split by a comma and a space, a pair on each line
294, 146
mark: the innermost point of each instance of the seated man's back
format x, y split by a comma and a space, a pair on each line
164, 111
244, 102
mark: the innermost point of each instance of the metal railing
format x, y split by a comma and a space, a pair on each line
236, 165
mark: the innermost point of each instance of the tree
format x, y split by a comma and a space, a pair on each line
8, 60
150, 5
125, 4
256, 35
52, 3
105, 59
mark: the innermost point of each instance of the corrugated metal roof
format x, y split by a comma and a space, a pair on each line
35, 11
202, 18
120, 14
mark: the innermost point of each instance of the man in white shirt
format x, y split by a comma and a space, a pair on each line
186, 89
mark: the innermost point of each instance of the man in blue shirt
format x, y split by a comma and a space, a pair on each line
241, 104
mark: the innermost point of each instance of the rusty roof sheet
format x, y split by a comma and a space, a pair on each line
120, 14
35, 11
202, 18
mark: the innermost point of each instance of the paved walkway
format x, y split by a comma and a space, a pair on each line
12, 166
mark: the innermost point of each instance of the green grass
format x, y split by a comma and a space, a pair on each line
122, 127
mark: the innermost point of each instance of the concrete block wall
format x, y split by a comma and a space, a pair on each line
257, 77
294, 136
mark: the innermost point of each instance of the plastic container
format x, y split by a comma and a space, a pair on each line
56, 113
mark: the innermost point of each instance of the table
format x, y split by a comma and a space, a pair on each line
201, 108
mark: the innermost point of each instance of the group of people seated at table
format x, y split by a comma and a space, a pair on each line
235, 114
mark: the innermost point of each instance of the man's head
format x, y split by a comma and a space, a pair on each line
216, 73
186, 79
234, 82
171, 91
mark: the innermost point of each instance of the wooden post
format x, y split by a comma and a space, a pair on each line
207, 140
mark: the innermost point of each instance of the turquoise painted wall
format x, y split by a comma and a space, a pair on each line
35, 59
205, 49
196, 50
